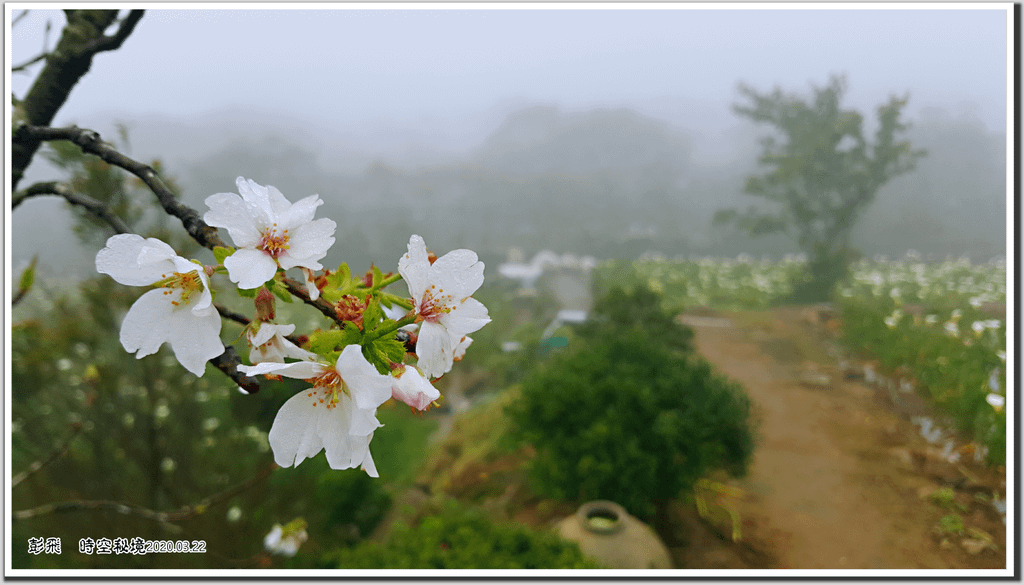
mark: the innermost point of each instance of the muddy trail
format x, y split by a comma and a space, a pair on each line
842, 477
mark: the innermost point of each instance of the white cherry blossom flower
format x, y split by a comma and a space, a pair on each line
337, 415
269, 344
441, 299
180, 311
269, 231
286, 540
411, 387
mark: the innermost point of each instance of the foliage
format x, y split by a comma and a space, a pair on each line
928, 321
461, 538
637, 311
822, 176
627, 417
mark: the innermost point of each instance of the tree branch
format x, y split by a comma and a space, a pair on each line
163, 517
29, 63
89, 141
228, 363
38, 465
66, 64
56, 188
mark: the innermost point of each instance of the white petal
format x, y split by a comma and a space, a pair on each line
434, 349
413, 389
345, 433
294, 435
279, 204
268, 330
308, 242
299, 370
465, 317
204, 301
300, 213
120, 260
250, 268
368, 465
458, 272
229, 211
195, 340
414, 266
147, 325
314, 292
369, 388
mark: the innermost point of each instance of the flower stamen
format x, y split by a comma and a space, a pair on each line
272, 243
188, 282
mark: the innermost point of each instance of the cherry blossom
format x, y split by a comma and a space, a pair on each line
411, 387
337, 415
179, 311
441, 299
270, 232
269, 344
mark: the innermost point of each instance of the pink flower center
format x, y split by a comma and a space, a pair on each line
435, 304
272, 243
189, 283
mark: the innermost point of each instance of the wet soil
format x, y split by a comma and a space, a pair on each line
841, 478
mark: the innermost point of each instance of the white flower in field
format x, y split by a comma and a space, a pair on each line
975, 301
441, 299
996, 400
337, 415
269, 231
931, 319
179, 311
269, 344
894, 319
951, 329
411, 387
1002, 355
993, 380
286, 540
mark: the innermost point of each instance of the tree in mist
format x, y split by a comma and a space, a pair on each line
821, 173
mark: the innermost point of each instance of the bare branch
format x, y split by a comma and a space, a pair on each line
89, 141
299, 290
38, 465
228, 363
164, 517
29, 63
231, 315
97, 208
19, 17
66, 64
112, 43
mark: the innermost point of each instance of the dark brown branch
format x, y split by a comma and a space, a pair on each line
29, 63
112, 43
66, 64
89, 141
97, 208
38, 465
183, 514
298, 289
228, 363
231, 315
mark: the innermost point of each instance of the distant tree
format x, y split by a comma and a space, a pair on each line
821, 175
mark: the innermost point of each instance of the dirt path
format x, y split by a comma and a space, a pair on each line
840, 478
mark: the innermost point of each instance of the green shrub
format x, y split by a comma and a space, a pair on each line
627, 418
461, 538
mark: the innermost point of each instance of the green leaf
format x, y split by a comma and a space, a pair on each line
339, 284
222, 252
331, 340
280, 290
378, 277
373, 315
383, 352
249, 293
29, 275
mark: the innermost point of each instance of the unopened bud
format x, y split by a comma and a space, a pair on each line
265, 305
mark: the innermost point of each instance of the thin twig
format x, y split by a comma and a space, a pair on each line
164, 517
29, 63
95, 207
112, 43
38, 465
228, 363
23, 14
89, 141
231, 315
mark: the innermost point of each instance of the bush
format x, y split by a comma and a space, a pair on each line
629, 418
462, 538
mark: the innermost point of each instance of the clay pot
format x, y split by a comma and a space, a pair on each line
614, 538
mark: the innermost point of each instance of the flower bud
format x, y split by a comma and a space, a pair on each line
265, 305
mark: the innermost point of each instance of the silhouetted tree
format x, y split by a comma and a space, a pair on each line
821, 175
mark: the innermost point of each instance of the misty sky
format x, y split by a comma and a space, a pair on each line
373, 81
347, 70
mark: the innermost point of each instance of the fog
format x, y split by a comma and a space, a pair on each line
597, 130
